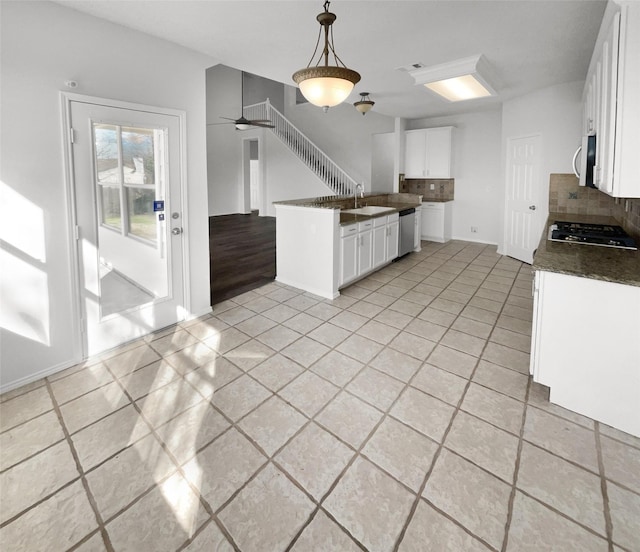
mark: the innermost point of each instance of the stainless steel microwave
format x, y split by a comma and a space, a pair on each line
587, 154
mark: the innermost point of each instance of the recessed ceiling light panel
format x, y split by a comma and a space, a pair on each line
460, 80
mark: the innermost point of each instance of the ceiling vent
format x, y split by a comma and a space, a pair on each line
411, 67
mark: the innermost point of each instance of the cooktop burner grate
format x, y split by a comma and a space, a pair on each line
591, 234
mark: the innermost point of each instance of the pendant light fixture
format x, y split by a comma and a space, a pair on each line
326, 85
365, 104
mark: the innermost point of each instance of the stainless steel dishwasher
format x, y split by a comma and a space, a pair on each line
407, 230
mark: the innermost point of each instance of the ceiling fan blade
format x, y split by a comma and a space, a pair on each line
228, 119
260, 121
263, 125
231, 122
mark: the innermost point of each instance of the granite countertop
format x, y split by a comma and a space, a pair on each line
350, 218
397, 201
438, 200
588, 261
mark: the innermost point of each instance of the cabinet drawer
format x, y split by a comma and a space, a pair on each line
379, 221
392, 217
433, 205
365, 225
349, 229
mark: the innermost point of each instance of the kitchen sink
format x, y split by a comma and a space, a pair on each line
369, 210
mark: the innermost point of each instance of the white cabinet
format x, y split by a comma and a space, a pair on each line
379, 241
418, 230
610, 101
348, 253
436, 221
393, 236
587, 352
428, 153
367, 245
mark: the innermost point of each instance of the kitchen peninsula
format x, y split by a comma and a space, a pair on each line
317, 239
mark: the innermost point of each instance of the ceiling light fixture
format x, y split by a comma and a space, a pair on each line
464, 79
365, 104
326, 85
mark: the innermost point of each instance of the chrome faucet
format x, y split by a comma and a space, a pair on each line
355, 194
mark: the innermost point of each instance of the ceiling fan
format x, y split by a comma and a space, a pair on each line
242, 123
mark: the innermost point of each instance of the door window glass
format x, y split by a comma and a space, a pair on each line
129, 176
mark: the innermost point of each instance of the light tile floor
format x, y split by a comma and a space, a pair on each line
398, 417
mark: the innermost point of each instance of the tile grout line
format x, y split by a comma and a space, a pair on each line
358, 454
608, 523
85, 484
512, 494
176, 464
436, 456
271, 459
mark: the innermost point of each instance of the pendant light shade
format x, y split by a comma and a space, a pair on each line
365, 104
326, 85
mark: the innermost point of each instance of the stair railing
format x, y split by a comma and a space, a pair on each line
318, 161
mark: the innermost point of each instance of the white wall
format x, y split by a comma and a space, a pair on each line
476, 170
286, 176
383, 176
555, 113
224, 142
342, 133
44, 45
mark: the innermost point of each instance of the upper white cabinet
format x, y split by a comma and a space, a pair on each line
428, 153
611, 104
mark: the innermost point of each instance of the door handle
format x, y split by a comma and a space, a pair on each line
532, 207
176, 231
575, 157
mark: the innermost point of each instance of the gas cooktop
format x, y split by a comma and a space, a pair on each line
605, 235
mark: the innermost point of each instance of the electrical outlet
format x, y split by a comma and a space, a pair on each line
474, 229
432, 186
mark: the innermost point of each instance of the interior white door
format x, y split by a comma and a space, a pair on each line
128, 214
522, 214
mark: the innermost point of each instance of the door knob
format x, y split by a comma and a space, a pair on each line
532, 207
176, 231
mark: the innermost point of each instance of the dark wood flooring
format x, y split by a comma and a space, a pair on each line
242, 254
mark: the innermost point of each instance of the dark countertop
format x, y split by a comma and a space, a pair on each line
588, 261
425, 200
397, 201
351, 218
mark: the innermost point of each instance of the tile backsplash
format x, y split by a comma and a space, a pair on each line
443, 187
567, 196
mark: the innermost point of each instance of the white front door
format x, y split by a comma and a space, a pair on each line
128, 212
522, 194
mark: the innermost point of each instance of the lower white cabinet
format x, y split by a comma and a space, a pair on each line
367, 245
418, 230
380, 230
436, 221
587, 351
393, 236
348, 253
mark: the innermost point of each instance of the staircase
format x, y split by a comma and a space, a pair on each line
333, 176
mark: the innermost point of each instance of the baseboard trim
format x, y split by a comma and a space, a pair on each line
38, 375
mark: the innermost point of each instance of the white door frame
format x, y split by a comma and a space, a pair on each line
245, 200
66, 99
